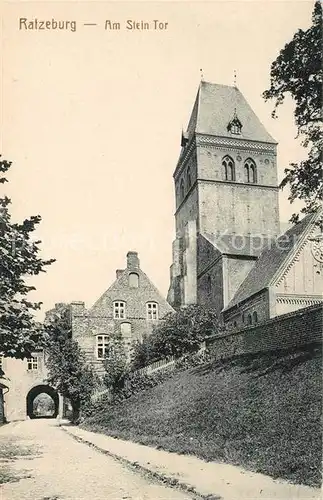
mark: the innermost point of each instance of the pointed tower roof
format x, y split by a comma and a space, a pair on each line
216, 106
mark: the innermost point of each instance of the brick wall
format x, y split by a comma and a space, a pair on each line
290, 330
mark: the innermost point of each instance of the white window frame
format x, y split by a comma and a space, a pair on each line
32, 364
119, 309
102, 343
152, 311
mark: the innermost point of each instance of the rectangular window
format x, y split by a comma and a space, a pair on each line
119, 310
32, 363
102, 346
152, 310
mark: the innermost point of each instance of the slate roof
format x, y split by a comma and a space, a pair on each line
215, 107
236, 244
271, 260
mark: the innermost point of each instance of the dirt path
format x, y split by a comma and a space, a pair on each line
56, 467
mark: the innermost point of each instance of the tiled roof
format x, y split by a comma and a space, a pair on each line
272, 258
215, 107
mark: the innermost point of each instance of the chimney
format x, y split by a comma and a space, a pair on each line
133, 260
77, 308
119, 272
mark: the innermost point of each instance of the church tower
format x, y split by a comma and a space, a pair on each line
226, 198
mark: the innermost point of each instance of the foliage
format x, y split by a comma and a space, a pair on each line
43, 405
19, 332
68, 371
261, 411
143, 352
298, 71
180, 332
115, 363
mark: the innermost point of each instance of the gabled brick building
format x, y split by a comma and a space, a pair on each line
131, 306
287, 276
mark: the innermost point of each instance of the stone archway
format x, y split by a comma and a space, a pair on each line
34, 392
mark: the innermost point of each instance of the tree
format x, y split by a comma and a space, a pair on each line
68, 371
298, 71
19, 258
115, 363
142, 352
180, 332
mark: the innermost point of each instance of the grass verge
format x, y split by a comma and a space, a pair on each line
261, 412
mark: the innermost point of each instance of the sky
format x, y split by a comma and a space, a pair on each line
92, 121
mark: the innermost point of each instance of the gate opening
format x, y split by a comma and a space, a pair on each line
42, 401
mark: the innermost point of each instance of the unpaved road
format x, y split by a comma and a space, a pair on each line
60, 468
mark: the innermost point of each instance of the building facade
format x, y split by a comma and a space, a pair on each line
287, 276
25, 380
131, 306
226, 254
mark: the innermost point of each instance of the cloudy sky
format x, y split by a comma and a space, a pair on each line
92, 121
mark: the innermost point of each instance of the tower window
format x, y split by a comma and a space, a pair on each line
133, 280
152, 310
102, 345
189, 178
119, 310
250, 170
255, 317
32, 363
182, 189
228, 168
249, 319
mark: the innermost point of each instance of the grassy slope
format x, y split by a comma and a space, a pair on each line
261, 412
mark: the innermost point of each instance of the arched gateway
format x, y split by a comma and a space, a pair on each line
36, 391
28, 380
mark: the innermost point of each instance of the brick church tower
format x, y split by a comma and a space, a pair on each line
226, 198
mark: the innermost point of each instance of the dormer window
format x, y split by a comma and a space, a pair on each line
235, 125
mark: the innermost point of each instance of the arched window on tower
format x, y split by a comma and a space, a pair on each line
228, 168
182, 189
189, 178
255, 317
250, 170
